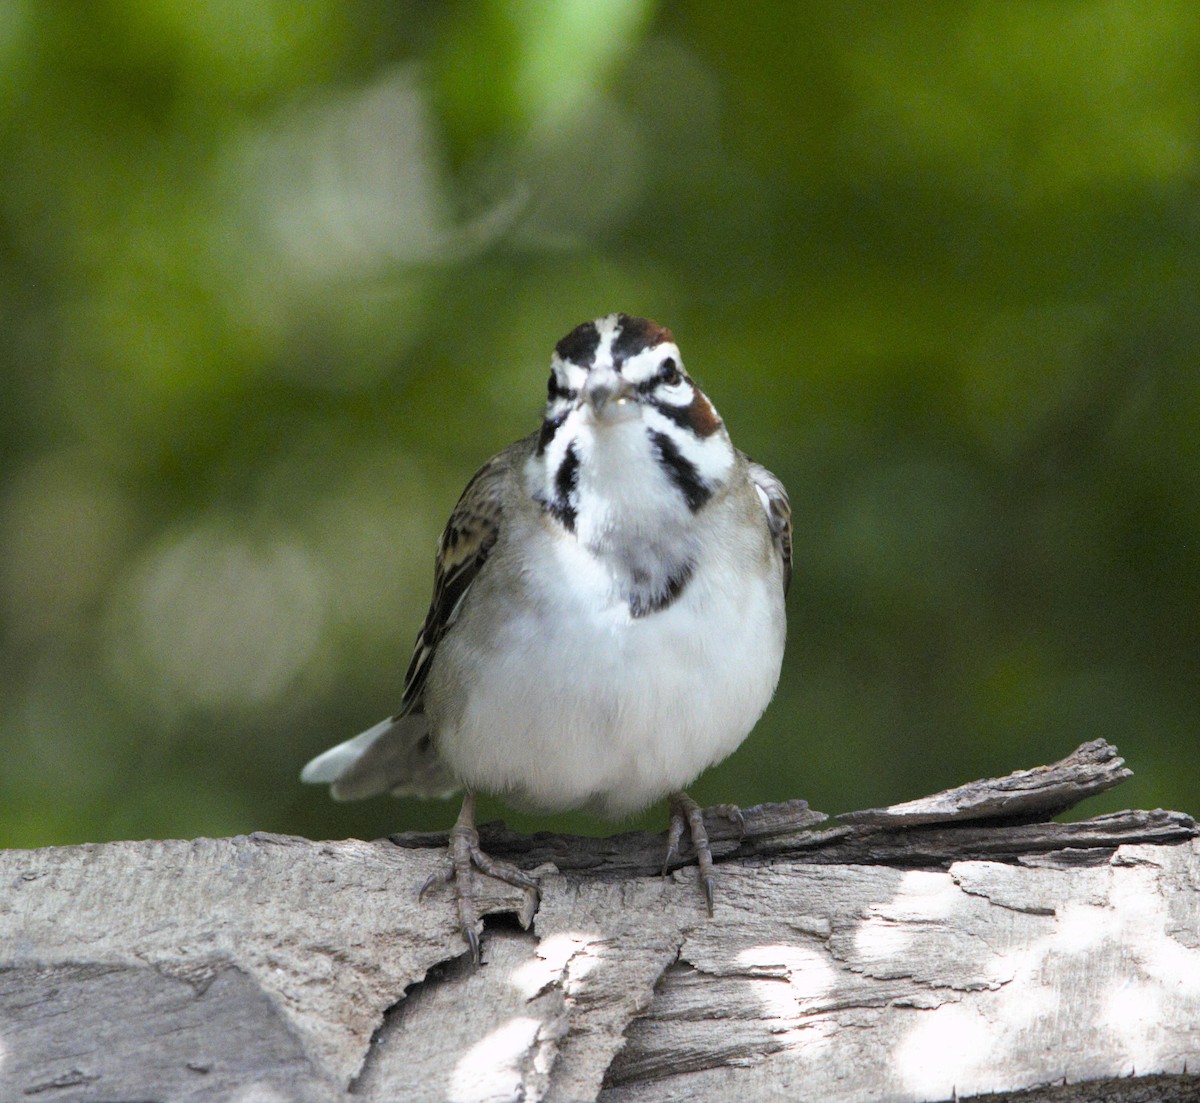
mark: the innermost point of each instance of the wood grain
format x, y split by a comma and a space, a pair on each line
957, 945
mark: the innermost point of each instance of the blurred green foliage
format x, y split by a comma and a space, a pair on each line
275, 278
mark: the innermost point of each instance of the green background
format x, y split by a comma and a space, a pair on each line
275, 278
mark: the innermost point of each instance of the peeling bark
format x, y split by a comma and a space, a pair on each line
946, 947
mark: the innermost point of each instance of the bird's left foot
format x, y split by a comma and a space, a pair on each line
687, 814
465, 858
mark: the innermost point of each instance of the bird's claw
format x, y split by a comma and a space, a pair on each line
733, 814
464, 859
438, 877
686, 813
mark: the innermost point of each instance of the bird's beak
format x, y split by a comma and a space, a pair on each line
608, 395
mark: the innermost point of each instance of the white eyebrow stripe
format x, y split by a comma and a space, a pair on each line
644, 366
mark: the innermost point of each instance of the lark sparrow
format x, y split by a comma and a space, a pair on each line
607, 615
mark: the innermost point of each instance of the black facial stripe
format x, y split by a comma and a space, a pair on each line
563, 513
566, 482
550, 426
681, 415
579, 346
554, 389
636, 335
682, 471
566, 478
643, 604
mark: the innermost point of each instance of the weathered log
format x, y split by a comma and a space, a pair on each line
955, 945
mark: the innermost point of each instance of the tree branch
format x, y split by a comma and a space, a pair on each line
958, 944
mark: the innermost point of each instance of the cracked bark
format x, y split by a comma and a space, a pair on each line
946, 947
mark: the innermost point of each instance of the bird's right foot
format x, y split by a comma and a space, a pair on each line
465, 857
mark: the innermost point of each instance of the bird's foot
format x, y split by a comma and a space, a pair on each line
687, 815
465, 857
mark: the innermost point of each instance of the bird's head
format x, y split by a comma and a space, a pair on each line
621, 404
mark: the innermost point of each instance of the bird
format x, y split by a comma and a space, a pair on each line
607, 618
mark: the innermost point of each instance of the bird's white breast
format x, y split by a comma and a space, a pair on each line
549, 692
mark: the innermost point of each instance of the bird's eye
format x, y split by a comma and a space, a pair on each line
668, 372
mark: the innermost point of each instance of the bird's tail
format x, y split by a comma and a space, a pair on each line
395, 756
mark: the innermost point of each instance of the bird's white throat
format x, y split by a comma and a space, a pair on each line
626, 506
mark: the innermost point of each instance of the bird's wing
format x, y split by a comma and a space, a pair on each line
462, 551
398, 755
773, 495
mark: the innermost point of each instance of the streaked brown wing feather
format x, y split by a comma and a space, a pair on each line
463, 549
779, 514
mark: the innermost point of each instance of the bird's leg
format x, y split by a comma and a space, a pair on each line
686, 813
465, 859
